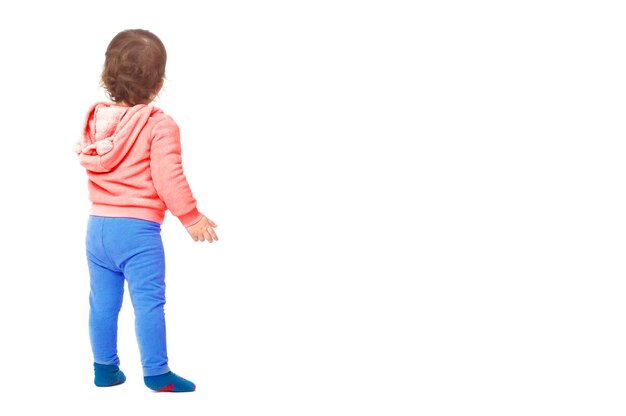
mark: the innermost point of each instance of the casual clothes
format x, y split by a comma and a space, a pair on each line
128, 249
133, 160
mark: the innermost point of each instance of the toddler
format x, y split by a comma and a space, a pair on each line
131, 151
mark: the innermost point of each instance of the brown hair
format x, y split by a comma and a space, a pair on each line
134, 67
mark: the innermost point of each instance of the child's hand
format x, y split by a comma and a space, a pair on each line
203, 230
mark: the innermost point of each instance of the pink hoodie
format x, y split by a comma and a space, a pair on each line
133, 161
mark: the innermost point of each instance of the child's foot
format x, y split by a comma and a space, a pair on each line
108, 375
169, 382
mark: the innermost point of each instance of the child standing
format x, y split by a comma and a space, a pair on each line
131, 151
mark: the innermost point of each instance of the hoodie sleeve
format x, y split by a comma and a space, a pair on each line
167, 173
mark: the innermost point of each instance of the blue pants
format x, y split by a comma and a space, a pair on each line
128, 249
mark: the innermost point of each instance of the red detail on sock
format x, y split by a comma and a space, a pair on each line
169, 387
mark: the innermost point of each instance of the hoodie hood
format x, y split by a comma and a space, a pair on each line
109, 133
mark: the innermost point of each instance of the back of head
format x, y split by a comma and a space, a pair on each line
134, 67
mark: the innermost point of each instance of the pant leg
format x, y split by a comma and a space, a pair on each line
139, 253
105, 299
145, 274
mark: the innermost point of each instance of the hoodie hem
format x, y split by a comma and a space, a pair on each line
127, 212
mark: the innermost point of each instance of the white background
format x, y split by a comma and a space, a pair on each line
420, 207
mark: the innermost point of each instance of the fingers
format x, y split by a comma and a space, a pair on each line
203, 231
207, 235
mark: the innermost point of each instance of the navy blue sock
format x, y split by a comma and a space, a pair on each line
108, 375
169, 382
